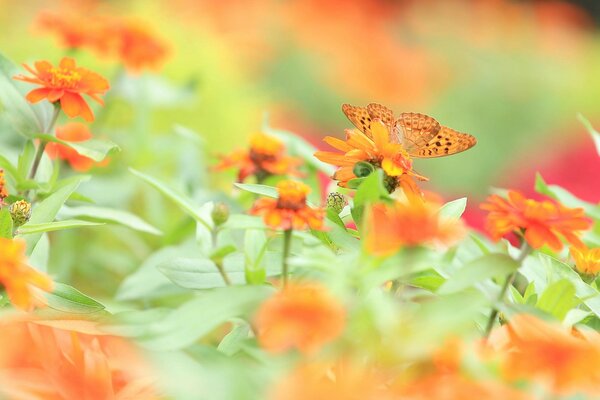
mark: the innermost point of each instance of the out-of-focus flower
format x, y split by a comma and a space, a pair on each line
543, 222
72, 132
587, 261
19, 279
265, 157
3, 189
74, 30
390, 227
565, 360
137, 46
379, 151
289, 210
66, 83
341, 381
20, 212
301, 316
69, 359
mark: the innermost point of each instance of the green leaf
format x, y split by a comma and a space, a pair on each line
594, 133
9, 168
29, 229
109, 215
95, 149
68, 299
6, 224
46, 210
479, 270
371, 190
263, 190
232, 341
15, 111
182, 201
558, 299
25, 160
454, 209
565, 197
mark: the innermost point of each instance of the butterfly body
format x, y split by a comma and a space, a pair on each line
421, 135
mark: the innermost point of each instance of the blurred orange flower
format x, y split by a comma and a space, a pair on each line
74, 29
567, 361
378, 151
320, 381
70, 360
72, 132
18, 278
544, 222
390, 227
587, 261
301, 316
65, 83
265, 157
3, 189
289, 210
137, 46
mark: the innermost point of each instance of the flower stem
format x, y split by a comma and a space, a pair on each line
219, 262
287, 240
42, 146
525, 250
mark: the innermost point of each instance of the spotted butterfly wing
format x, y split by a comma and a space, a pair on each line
415, 130
360, 117
445, 143
382, 113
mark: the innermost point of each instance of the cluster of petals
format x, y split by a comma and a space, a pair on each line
265, 157
302, 316
65, 84
289, 210
3, 188
72, 132
587, 260
378, 150
391, 227
23, 284
69, 359
543, 222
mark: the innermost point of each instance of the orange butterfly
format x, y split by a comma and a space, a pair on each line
421, 135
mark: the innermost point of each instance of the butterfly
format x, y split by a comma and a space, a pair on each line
422, 136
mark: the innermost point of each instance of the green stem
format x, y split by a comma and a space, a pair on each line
287, 241
525, 250
218, 263
42, 146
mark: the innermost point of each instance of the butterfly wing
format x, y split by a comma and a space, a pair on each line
414, 131
382, 113
445, 143
360, 117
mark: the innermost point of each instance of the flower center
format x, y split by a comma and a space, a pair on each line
64, 78
292, 195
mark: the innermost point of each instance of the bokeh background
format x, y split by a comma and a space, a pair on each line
515, 74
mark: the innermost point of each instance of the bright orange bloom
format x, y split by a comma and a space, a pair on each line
412, 223
137, 46
289, 210
72, 132
66, 83
301, 316
566, 361
342, 381
266, 157
19, 279
587, 261
379, 151
3, 189
69, 360
544, 222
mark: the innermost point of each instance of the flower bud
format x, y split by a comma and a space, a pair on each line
220, 214
362, 169
20, 211
336, 201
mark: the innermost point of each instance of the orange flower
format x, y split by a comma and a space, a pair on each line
18, 278
413, 223
266, 157
534, 349
289, 210
72, 132
137, 46
544, 222
69, 359
587, 261
378, 151
302, 316
66, 84
342, 381
3, 189
74, 29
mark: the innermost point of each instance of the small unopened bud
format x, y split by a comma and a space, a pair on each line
336, 201
220, 214
3, 189
20, 211
362, 169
